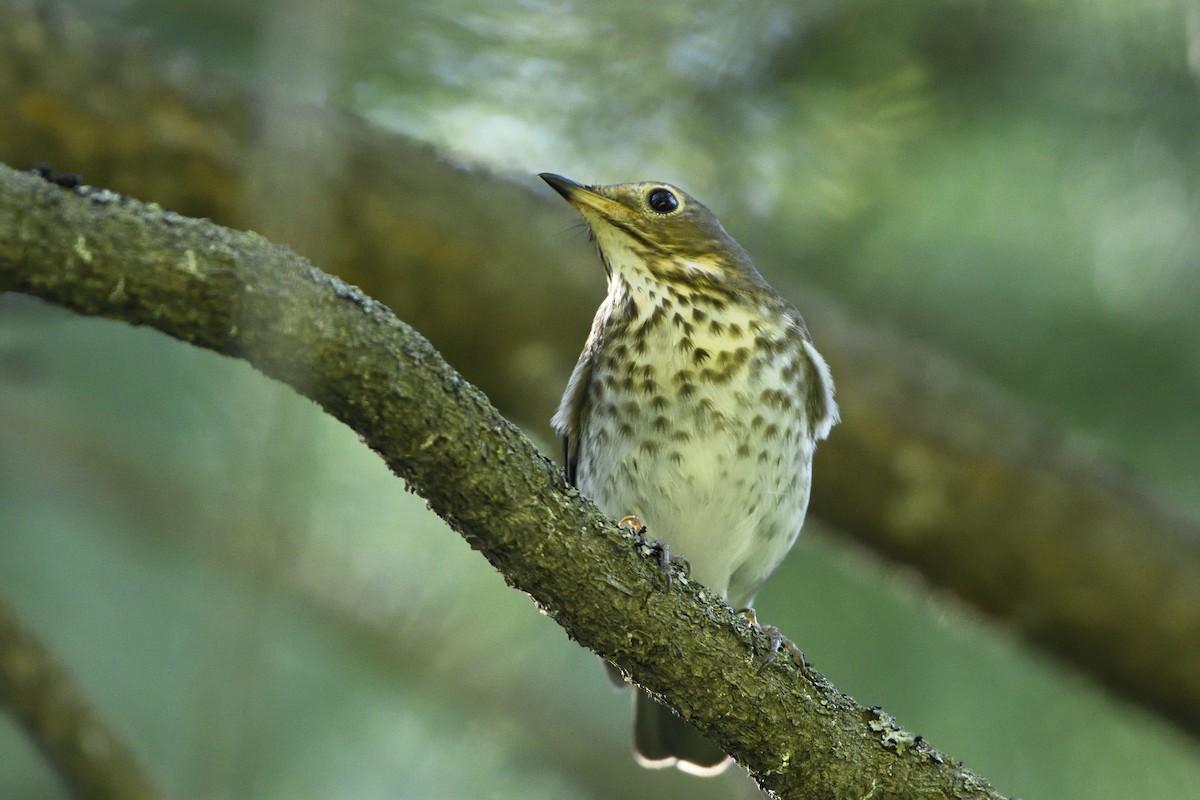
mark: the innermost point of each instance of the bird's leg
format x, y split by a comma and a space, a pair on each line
777, 641
665, 559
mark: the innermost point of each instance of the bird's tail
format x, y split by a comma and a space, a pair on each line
661, 739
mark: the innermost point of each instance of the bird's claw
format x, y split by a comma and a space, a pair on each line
776, 642
666, 561
633, 523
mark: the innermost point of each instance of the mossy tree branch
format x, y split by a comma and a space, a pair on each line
235, 293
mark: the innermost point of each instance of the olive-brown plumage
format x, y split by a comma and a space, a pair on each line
695, 405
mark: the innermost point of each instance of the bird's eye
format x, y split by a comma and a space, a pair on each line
662, 200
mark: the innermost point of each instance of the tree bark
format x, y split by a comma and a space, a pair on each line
102, 254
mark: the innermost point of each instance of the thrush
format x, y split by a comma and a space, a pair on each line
695, 406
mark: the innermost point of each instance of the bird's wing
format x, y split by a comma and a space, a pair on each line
567, 420
822, 408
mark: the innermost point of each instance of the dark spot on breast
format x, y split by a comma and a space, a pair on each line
716, 376
658, 403
773, 398
731, 361
649, 446
661, 424
682, 324
764, 344
652, 321
699, 314
699, 356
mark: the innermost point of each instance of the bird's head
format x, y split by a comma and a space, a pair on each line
657, 232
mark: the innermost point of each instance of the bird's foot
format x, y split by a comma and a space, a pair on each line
776, 642
665, 560
633, 523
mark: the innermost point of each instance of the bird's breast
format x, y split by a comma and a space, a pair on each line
694, 421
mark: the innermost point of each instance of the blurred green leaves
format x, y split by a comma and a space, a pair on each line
250, 595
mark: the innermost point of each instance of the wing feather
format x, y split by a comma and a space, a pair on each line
567, 421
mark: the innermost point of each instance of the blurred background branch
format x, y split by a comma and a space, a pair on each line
38, 692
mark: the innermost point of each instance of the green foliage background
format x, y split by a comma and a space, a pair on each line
1015, 182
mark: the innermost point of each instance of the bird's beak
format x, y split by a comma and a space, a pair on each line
583, 198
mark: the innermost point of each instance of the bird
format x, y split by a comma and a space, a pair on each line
694, 409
